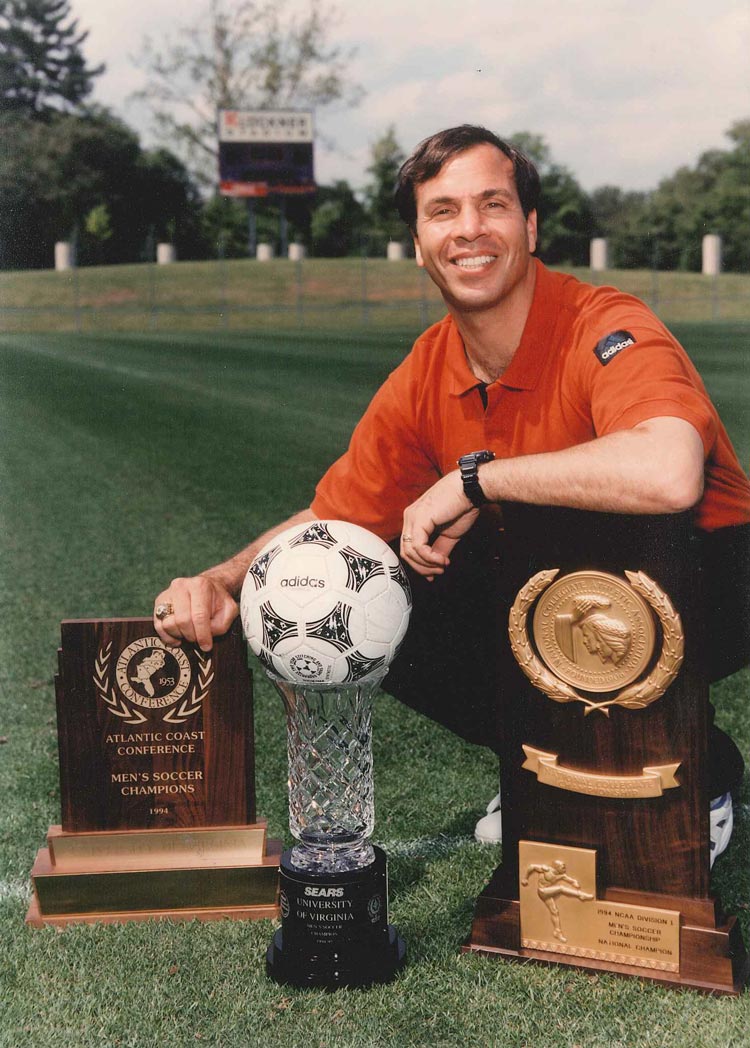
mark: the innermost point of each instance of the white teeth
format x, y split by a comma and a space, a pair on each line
479, 260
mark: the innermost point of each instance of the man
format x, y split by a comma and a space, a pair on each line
572, 396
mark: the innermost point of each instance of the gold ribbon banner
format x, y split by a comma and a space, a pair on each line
651, 783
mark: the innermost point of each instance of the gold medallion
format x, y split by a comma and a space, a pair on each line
152, 675
149, 676
594, 631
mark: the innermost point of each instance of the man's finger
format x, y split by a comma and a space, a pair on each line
200, 620
223, 618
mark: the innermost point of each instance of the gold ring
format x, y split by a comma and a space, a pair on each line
162, 610
406, 538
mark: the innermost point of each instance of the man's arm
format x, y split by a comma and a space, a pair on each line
655, 467
205, 605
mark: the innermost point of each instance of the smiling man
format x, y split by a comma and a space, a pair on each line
535, 388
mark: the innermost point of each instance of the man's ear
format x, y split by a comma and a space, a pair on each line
417, 252
531, 229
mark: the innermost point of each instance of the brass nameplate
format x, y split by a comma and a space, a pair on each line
561, 914
153, 849
650, 783
60, 893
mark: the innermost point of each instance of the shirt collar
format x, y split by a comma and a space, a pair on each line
525, 368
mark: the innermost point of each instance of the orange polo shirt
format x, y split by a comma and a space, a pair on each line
591, 361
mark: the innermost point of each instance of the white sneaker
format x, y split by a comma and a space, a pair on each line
721, 819
489, 829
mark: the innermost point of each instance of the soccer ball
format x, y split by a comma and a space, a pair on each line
325, 603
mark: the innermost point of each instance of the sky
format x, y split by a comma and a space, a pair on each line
623, 92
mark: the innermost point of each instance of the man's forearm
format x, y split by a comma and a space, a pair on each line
656, 467
231, 573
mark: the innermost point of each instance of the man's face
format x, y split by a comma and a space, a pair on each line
472, 236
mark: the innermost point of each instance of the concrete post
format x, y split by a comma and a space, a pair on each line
165, 254
599, 254
711, 255
395, 251
296, 252
264, 252
65, 256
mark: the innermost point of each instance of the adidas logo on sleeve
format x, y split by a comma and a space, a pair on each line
613, 344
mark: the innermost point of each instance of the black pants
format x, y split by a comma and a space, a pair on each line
456, 656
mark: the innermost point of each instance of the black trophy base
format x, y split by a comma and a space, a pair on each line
334, 928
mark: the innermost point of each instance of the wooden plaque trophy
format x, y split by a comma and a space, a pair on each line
604, 767
157, 783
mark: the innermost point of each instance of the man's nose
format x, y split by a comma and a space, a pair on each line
470, 223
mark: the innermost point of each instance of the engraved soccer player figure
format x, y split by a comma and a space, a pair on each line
552, 882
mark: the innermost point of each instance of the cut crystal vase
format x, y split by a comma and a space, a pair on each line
334, 891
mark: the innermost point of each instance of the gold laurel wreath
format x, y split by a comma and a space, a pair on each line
119, 707
634, 697
130, 715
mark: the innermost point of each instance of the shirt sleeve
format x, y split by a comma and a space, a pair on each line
385, 467
634, 370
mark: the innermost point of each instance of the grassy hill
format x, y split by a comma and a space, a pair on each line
318, 293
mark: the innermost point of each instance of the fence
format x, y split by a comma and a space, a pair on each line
330, 294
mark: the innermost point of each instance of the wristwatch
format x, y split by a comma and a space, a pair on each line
469, 466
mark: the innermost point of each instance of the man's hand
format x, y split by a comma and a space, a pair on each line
443, 509
202, 608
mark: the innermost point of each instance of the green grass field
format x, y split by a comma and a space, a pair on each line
128, 458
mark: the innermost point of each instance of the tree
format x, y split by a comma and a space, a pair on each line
57, 175
42, 68
247, 54
97, 227
622, 216
337, 222
386, 160
665, 227
566, 222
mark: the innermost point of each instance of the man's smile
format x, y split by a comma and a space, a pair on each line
474, 262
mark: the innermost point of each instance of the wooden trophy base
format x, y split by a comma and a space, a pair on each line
680, 942
117, 876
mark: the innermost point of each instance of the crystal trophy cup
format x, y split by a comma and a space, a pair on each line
325, 606
334, 883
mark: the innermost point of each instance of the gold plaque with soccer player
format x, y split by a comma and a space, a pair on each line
604, 764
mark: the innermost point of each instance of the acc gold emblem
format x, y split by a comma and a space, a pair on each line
595, 632
150, 675
153, 677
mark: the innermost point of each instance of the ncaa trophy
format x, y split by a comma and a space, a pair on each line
325, 606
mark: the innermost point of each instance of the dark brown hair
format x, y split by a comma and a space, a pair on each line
430, 155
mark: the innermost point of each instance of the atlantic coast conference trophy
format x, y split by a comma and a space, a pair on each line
325, 607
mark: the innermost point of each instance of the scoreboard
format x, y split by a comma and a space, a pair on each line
263, 152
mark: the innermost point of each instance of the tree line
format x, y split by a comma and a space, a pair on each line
72, 169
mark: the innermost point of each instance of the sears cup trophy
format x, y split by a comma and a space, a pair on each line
325, 606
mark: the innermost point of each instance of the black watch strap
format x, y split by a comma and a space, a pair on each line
469, 467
